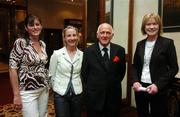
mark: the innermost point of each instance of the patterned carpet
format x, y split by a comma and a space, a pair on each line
8, 110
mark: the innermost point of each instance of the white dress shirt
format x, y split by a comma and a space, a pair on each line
146, 76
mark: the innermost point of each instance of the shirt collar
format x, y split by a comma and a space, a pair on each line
101, 46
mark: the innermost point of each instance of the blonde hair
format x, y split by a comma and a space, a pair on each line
156, 17
64, 33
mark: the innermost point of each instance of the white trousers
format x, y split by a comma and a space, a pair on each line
35, 103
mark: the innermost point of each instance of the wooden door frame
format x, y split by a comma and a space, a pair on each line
130, 49
84, 17
84, 24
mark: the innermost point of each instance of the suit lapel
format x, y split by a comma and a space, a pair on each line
98, 55
77, 56
156, 49
67, 58
155, 52
142, 50
113, 52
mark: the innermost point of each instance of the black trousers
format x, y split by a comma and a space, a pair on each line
107, 111
67, 106
151, 105
103, 113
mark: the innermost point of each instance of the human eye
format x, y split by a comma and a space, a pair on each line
108, 33
74, 35
155, 23
37, 24
68, 35
30, 25
102, 33
148, 24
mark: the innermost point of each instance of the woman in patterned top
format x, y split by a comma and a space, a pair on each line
28, 74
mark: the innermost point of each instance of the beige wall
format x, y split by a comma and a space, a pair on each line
120, 25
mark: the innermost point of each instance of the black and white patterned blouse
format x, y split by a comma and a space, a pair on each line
32, 73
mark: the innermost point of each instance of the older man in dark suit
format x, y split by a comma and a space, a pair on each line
103, 69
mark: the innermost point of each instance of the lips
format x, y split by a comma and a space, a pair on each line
152, 30
36, 31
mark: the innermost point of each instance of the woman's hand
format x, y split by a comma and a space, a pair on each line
136, 86
152, 89
17, 103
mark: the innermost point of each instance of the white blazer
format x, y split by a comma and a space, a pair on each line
60, 71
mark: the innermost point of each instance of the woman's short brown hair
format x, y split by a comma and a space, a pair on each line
149, 16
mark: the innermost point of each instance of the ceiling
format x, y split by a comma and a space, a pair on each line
70, 2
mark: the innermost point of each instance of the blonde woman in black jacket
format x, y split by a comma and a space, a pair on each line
154, 67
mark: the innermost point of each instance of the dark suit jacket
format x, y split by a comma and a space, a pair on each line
100, 84
163, 63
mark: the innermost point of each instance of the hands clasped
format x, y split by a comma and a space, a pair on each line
151, 89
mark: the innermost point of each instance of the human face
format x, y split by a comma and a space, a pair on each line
152, 28
34, 29
71, 38
104, 34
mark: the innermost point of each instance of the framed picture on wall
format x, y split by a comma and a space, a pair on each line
169, 10
109, 11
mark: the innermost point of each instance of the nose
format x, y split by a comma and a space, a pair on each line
105, 34
151, 26
72, 37
35, 26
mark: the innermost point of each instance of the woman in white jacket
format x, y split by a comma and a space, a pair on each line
64, 70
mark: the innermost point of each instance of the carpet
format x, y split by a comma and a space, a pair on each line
7, 110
